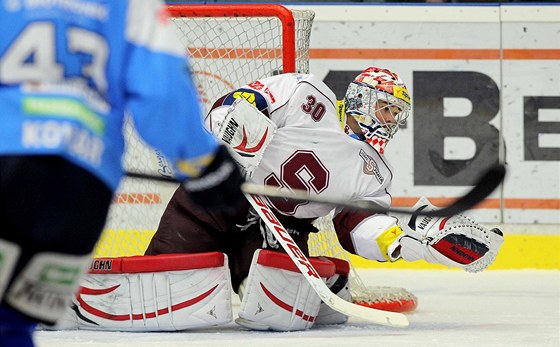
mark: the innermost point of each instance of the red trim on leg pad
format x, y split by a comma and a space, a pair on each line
342, 267
156, 263
324, 267
286, 306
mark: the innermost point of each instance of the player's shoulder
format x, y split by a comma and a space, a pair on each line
314, 82
299, 80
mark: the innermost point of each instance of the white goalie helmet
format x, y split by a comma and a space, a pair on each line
379, 101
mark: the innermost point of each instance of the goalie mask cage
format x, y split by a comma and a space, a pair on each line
228, 46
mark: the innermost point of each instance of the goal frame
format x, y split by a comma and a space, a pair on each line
283, 14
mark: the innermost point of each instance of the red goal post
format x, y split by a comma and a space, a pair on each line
283, 14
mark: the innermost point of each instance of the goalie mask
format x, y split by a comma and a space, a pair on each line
379, 101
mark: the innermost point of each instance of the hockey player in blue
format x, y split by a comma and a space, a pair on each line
69, 70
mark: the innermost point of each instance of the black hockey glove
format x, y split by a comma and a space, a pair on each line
219, 186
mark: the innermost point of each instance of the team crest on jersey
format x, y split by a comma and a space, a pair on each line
253, 98
370, 166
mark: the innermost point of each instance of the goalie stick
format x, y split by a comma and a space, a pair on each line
484, 186
388, 318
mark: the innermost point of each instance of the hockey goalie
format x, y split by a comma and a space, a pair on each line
290, 132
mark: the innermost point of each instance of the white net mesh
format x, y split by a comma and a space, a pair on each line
229, 52
326, 243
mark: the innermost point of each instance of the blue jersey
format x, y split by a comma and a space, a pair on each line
71, 69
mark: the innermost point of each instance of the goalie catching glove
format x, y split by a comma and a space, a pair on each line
457, 241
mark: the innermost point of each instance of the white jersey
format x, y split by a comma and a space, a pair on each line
310, 151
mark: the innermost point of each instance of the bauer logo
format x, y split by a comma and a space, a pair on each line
284, 236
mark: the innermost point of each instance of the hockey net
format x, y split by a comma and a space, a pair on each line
395, 299
228, 46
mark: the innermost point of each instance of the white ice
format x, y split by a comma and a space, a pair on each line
493, 308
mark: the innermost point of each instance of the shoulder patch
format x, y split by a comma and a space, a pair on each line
370, 167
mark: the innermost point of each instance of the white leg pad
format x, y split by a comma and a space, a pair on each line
153, 293
276, 296
338, 284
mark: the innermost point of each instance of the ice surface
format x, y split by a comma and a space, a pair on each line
493, 308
